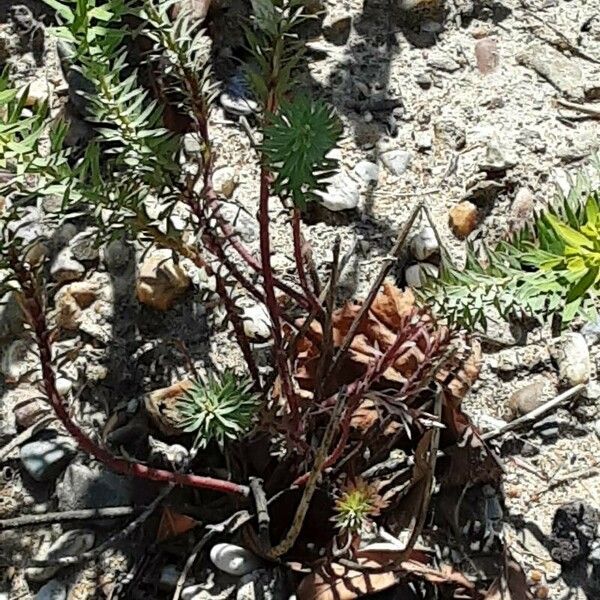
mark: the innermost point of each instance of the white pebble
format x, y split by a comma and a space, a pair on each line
424, 244
233, 559
573, 358
257, 325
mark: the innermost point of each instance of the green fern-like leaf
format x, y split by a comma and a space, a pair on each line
296, 143
550, 267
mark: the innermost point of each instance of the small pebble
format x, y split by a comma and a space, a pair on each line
367, 171
463, 217
396, 162
257, 325
417, 275
44, 459
535, 576
233, 559
573, 358
527, 398
53, 590
543, 592
424, 244
65, 267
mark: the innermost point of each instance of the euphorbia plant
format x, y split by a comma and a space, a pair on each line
348, 384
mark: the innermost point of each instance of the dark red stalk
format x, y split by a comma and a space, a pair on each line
270, 299
356, 392
33, 307
299, 259
255, 265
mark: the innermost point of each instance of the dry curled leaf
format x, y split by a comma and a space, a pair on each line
392, 318
173, 524
334, 581
162, 407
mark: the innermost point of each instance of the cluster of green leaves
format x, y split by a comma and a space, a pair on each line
298, 134
88, 24
296, 143
218, 408
275, 47
355, 507
183, 50
548, 269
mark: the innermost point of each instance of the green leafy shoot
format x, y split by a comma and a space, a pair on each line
296, 143
355, 506
218, 408
549, 268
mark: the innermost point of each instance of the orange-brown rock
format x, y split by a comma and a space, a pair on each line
161, 281
464, 217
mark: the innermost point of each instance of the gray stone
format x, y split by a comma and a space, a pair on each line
572, 356
65, 267
424, 244
527, 398
496, 158
423, 140
83, 245
423, 80
367, 171
84, 487
591, 332
443, 62
44, 459
342, 193
234, 560
53, 590
117, 255
562, 72
191, 143
396, 161
71, 543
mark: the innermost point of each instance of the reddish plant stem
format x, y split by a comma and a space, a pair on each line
270, 299
299, 258
194, 255
244, 253
357, 390
33, 307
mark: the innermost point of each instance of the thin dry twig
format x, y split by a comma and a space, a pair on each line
311, 484
262, 512
32, 303
534, 414
586, 109
366, 305
84, 514
111, 541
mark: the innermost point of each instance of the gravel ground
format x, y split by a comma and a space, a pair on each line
404, 82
